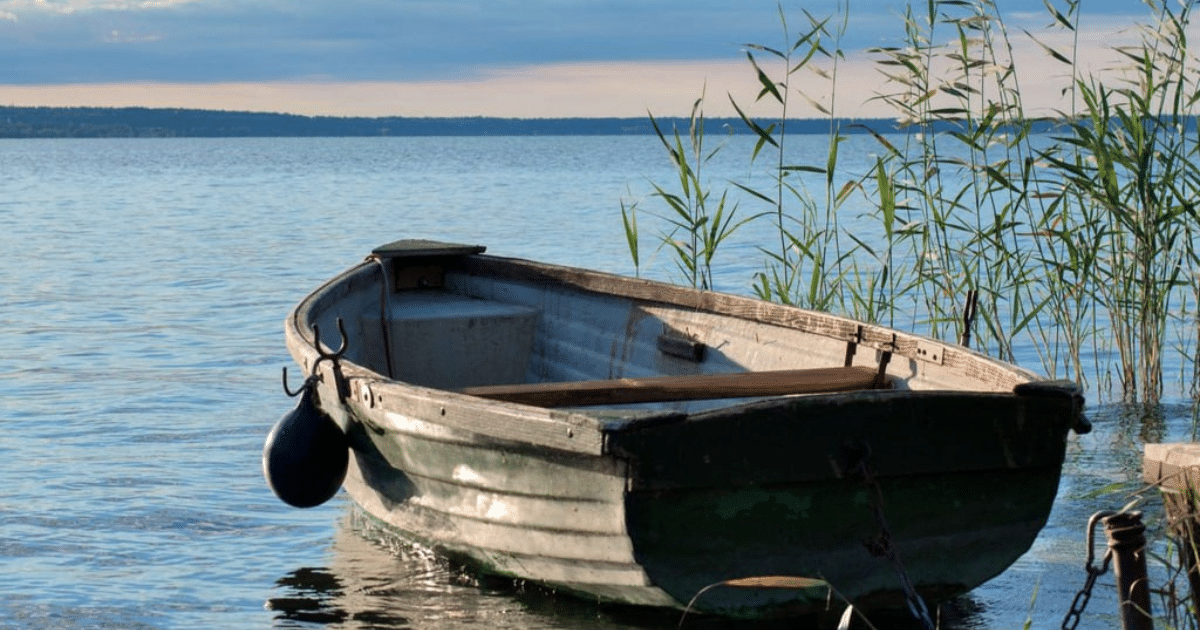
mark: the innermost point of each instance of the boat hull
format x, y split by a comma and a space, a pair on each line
667, 516
942, 480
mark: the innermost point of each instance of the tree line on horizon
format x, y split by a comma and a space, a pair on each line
144, 122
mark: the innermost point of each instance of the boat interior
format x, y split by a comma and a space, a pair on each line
550, 336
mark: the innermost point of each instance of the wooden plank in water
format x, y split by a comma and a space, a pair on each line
1172, 466
690, 387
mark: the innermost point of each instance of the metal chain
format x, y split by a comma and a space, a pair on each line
1079, 604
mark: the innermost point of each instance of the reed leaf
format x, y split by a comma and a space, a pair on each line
629, 222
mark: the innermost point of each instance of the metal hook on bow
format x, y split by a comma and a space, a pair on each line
322, 355
292, 394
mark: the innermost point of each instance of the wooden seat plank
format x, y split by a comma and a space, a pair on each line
689, 387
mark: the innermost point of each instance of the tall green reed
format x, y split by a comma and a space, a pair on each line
962, 169
1130, 160
1080, 244
696, 224
807, 266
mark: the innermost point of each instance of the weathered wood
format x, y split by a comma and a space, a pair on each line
1174, 466
486, 422
1175, 469
690, 387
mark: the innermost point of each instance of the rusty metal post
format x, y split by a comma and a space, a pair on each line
1127, 540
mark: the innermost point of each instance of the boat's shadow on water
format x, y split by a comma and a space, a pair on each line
377, 581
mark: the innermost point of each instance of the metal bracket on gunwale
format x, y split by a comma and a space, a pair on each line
931, 352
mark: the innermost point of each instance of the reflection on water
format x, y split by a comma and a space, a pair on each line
377, 580
373, 581
312, 589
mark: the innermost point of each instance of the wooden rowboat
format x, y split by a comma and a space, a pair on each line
635, 442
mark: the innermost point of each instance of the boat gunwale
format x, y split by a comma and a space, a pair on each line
580, 432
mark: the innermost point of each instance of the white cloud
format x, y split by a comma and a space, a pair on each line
117, 37
73, 6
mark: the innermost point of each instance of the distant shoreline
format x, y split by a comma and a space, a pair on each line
142, 122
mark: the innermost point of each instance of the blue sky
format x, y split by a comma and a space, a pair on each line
450, 57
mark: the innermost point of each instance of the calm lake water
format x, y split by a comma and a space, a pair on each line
144, 287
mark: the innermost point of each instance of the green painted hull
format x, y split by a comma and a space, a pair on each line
782, 493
